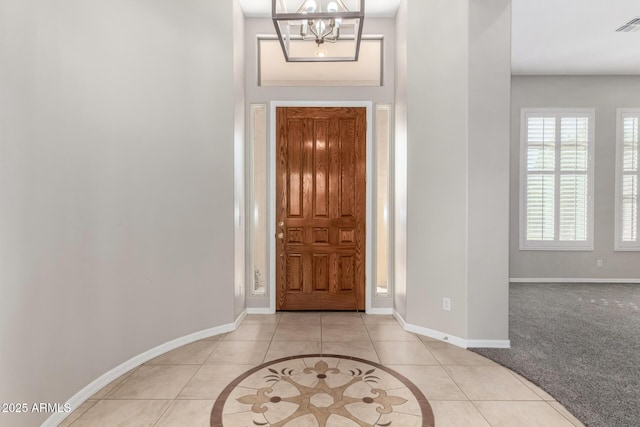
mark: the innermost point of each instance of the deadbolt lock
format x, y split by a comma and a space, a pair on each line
281, 224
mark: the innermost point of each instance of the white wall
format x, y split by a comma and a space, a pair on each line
399, 160
437, 90
255, 93
458, 117
116, 186
605, 94
488, 169
239, 157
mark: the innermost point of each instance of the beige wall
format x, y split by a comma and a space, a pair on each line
116, 186
605, 94
399, 160
255, 93
457, 119
239, 158
488, 169
437, 95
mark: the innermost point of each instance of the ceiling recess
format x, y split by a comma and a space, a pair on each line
631, 26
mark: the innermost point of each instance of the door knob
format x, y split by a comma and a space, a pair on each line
281, 224
280, 236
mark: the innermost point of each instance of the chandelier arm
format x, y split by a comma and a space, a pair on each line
312, 28
333, 37
328, 31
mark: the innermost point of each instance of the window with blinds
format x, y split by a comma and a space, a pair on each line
627, 177
556, 207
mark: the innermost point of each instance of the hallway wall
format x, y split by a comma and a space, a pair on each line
457, 140
399, 160
437, 100
116, 186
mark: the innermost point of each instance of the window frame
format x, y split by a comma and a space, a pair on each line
619, 245
556, 244
384, 134
257, 252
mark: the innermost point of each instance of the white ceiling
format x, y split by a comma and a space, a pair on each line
550, 36
373, 8
574, 37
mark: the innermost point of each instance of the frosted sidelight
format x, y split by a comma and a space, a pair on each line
258, 223
383, 133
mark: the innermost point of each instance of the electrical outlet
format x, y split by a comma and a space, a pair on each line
446, 304
599, 263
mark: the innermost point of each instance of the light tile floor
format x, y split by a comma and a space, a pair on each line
179, 388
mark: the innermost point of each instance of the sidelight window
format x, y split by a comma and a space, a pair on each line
258, 204
383, 139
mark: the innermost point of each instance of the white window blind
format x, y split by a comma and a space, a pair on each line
556, 179
627, 194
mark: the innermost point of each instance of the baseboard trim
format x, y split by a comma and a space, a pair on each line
239, 319
400, 319
448, 338
437, 335
77, 399
380, 311
571, 280
259, 310
488, 343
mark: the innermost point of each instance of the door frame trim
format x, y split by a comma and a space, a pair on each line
271, 173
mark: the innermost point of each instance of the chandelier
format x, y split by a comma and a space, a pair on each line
319, 30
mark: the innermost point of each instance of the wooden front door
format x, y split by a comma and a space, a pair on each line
320, 208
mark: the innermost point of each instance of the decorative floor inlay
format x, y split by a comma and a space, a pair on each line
321, 391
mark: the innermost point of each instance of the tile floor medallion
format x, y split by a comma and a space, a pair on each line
321, 391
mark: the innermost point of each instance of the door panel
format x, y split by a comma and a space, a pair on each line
320, 208
294, 272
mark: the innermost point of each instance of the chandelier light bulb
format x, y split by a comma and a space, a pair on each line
311, 6
332, 7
